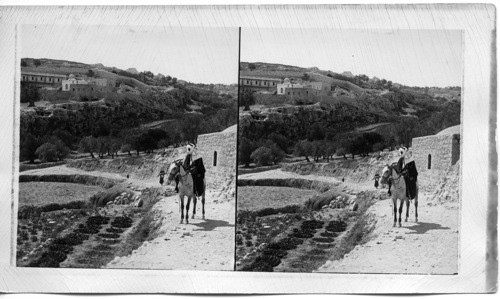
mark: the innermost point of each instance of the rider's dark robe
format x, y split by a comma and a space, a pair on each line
410, 175
198, 173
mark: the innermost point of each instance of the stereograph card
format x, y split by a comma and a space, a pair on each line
260, 149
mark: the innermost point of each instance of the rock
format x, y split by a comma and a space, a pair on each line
354, 207
341, 205
139, 203
324, 207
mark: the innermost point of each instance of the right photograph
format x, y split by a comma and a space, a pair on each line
349, 151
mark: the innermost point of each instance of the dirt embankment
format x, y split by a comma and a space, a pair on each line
137, 167
71, 178
360, 169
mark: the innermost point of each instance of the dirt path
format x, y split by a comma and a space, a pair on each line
427, 247
203, 244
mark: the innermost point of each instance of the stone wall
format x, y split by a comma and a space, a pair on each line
444, 151
218, 151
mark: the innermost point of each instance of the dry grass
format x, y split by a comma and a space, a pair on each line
42, 193
254, 198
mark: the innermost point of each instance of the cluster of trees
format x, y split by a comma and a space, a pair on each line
29, 95
56, 147
362, 81
104, 130
359, 145
48, 148
263, 152
146, 141
246, 99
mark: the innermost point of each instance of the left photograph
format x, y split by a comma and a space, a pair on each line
126, 147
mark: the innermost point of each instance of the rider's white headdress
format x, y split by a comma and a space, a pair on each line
190, 148
402, 150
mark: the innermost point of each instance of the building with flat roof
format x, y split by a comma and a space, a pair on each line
259, 83
41, 79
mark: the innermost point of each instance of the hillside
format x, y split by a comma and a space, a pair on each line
122, 113
357, 116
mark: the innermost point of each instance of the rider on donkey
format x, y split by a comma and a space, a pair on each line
400, 164
406, 166
195, 166
410, 174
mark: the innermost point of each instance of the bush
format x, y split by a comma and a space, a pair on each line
262, 156
122, 222
336, 226
47, 152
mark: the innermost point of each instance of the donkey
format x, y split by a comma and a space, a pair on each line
389, 173
185, 189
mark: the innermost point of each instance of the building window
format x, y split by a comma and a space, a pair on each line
248, 81
215, 158
66, 86
73, 89
255, 82
32, 78
265, 83
429, 158
50, 79
281, 90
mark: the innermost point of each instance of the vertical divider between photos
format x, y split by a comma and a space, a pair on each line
492, 206
15, 144
237, 143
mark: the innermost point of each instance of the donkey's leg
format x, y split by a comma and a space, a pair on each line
402, 202
416, 207
195, 199
395, 210
181, 200
407, 209
187, 209
203, 205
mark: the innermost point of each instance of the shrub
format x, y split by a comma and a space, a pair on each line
262, 156
249, 243
122, 222
47, 152
336, 226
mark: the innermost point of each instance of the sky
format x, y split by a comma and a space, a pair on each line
198, 55
409, 57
